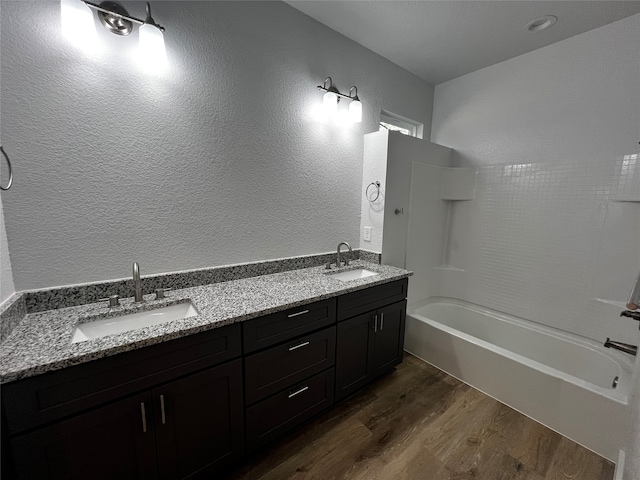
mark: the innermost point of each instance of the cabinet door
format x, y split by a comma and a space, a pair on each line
115, 441
200, 422
389, 337
354, 354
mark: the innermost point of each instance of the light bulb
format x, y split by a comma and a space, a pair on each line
152, 52
355, 111
330, 104
77, 23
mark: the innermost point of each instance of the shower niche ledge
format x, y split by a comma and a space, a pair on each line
626, 199
449, 268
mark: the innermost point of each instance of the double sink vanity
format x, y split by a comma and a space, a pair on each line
182, 387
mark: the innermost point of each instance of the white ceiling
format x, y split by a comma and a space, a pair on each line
441, 40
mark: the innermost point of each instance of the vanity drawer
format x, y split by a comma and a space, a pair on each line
356, 303
36, 401
280, 367
282, 326
277, 415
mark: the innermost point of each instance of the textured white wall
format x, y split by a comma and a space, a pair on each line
374, 169
546, 236
218, 160
6, 275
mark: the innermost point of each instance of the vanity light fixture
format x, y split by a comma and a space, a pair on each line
355, 107
77, 22
332, 97
77, 19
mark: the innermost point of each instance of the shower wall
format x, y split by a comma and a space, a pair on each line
553, 234
547, 242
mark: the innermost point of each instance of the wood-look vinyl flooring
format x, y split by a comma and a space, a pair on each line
422, 424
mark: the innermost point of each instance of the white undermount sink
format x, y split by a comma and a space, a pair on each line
133, 321
353, 274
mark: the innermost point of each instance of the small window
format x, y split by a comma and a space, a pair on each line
397, 123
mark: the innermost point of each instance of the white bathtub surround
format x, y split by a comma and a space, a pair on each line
548, 237
561, 380
435, 191
552, 234
539, 242
388, 157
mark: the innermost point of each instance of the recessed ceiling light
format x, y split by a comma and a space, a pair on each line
541, 23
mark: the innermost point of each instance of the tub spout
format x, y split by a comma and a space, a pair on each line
634, 297
623, 347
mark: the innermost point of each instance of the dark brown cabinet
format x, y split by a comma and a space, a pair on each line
369, 344
199, 422
280, 413
389, 337
293, 379
189, 407
195, 425
110, 442
279, 367
169, 411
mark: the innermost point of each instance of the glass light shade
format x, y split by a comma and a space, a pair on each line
152, 51
355, 111
77, 22
330, 103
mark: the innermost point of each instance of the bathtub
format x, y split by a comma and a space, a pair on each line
563, 381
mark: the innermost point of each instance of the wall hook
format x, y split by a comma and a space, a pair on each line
6, 157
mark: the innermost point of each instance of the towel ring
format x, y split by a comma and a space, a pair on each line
366, 193
6, 157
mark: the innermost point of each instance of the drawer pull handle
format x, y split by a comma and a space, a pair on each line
303, 344
381, 321
298, 392
162, 409
297, 313
144, 418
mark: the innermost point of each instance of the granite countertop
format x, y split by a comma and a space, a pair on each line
42, 341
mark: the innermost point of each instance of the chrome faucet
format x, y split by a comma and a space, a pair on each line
623, 347
136, 283
346, 260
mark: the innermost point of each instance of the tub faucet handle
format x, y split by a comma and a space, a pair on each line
634, 315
